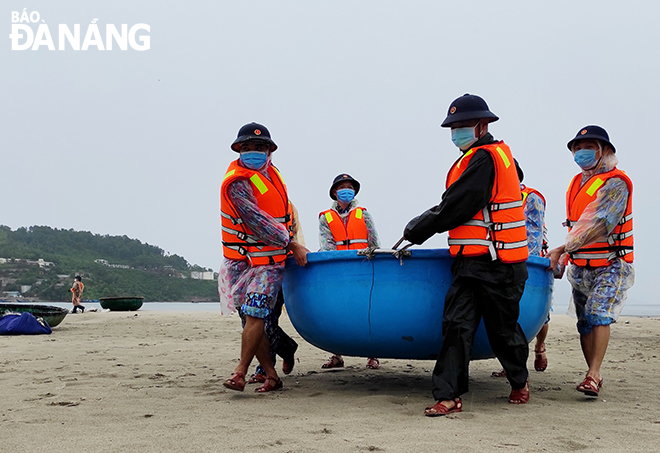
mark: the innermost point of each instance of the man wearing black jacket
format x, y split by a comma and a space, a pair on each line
488, 280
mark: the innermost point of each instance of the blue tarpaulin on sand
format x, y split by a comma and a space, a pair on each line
23, 324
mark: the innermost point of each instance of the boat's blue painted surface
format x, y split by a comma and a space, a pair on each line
348, 304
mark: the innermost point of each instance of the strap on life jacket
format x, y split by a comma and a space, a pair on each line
348, 242
492, 226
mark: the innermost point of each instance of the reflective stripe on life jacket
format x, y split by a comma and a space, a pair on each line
525, 192
499, 228
352, 236
619, 244
238, 241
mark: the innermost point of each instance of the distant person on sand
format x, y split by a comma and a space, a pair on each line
77, 290
482, 211
599, 245
281, 344
537, 244
256, 238
346, 226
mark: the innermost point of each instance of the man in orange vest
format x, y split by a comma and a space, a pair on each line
599, 246
346, 226
481, 209
256, 239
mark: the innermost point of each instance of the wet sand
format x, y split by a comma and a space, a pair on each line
152, 382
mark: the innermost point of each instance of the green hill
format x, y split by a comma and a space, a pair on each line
46, 260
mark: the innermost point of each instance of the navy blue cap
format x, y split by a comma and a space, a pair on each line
341, 178
591, 133
253, 131
468, 107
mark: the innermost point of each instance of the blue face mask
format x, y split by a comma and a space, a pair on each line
463, 137
254, 160
585, 158
345, 195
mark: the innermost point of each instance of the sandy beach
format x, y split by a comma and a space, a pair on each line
151, 382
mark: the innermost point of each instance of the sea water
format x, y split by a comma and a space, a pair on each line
629, 309
146, 306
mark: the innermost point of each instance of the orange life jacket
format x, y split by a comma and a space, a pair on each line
526, 191
619, 244
353, 235
78, 290
499, 228
238, 241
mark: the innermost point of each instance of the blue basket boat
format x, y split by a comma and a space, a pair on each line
387, 307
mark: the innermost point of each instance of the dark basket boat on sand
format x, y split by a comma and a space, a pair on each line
121, 303
52, 315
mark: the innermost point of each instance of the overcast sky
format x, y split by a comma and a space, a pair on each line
136, 142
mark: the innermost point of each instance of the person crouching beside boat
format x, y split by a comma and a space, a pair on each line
599, 246
346, 226
76, 294
256, 238
481, 209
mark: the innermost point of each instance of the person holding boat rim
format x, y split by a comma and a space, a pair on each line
346, 226
599, 246
482, 210
256, 239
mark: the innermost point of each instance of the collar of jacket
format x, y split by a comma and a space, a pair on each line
352, 205
485, 140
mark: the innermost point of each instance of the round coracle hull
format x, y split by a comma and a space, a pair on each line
121, 303
389, 308
52, 315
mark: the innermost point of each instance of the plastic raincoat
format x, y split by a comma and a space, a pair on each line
237, 279
599, 293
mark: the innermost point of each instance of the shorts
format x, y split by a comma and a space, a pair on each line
600, 293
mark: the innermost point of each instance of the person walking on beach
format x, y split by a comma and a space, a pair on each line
599, 245
346, 226
256, 238
481, 209
76, 294
537, 245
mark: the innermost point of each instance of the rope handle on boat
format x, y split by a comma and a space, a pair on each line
403, 251
371, 252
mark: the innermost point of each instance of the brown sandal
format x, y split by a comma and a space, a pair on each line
590, 386
373, 364
268, 386
500, 373
519, 396
235, 382
334, 361
440, 409
540, 362
257, 378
